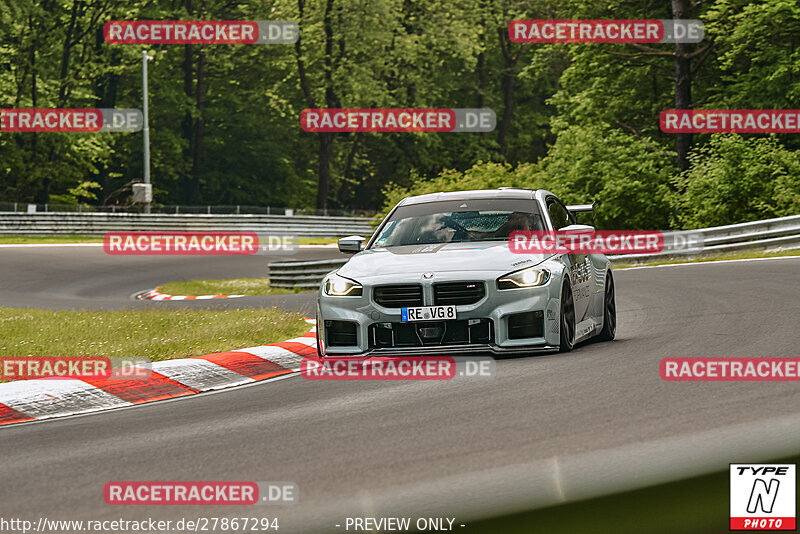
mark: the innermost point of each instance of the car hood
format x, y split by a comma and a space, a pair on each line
440, 257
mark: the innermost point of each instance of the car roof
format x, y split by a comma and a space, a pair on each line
503, 192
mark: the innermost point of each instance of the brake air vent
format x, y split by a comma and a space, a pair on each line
341, 333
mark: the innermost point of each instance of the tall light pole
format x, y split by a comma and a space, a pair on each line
146, 131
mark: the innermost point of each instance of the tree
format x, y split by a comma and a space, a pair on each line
735, 179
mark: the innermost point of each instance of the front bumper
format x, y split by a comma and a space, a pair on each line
496, 307
462, 350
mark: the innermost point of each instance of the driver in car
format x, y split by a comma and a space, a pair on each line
517, 222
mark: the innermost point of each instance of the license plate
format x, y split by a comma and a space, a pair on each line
427, 313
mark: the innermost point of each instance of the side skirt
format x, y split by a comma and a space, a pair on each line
587, 328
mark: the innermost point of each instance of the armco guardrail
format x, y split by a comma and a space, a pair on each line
780, 233
783, 232
216, 209
97, 224
305, 274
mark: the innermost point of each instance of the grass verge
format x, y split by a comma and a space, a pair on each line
323, 240
157, 334
715, 257
233, 286
317, 240
695, 505
47, 240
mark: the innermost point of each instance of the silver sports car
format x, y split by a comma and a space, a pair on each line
437, 277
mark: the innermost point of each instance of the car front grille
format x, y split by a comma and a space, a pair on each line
398, 296
454, 293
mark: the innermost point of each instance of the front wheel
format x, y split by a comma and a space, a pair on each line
609, 330
567, 339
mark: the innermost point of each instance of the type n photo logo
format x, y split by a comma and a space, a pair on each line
763, 496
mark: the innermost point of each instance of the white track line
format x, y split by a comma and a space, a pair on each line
45, 399
709, 262
283, 357
199, 374
295, 372
41, 245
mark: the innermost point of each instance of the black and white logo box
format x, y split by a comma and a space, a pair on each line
763, 496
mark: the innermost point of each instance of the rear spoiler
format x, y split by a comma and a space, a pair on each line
581, 208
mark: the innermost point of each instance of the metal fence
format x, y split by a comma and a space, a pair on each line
781, 233
97, 224
24, 207
304, 274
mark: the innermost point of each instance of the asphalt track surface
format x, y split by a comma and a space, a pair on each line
85, 277
372, 448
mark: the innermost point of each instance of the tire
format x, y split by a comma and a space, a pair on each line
609, 331
567, 318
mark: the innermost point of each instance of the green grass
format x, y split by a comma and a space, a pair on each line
323, 240
317, 240
156, 334
715, 257
233, 286
695, 505
47, 240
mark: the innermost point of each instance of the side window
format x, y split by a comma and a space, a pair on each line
559, 215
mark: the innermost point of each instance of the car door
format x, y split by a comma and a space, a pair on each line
578, 265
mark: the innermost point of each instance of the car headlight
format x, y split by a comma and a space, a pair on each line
339, 286
529, 277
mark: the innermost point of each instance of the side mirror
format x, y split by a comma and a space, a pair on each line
351, 244
578, 229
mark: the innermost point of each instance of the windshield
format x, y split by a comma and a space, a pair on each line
457, 221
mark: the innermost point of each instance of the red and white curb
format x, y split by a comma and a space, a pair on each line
32, 400
155, 295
